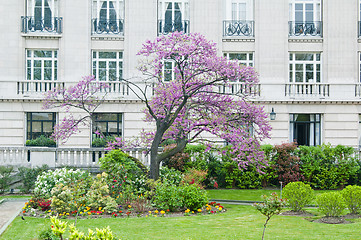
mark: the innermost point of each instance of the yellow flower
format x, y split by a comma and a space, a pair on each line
100, 208
192, 211
187, 211
49, 211
199, 210
220, 209
150, 212
81, 212
67, 214
89, 213
162, 212
129, 206
156, 211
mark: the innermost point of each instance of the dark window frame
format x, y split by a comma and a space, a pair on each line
29, 119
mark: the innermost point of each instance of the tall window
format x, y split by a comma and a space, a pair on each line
108, 124
239, 10
39, 124
243, 58
41, 64
43, 13
305, 17
107, 66
305, 67
108, 16
238, 18
305, 129
174, 16
168, 70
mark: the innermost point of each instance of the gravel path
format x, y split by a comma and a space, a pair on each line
9, 209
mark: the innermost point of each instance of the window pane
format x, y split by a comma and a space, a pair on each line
304, 57
107, 55
37, 73
102, 75
37, 63
47, 127
299, 76
47, 74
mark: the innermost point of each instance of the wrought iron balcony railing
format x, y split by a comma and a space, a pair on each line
102, 26
305, 28
165, 27
32, 24
238, 28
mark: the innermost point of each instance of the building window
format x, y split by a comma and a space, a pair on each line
243, 58
173, 16
305, 68
168, 70
108, 16
107, 124
238, 18
42, 65
305, 17
305, 129
107, 66
42, 15
40, 124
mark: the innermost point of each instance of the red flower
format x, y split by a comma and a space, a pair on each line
52, 226
215, 184
192, 181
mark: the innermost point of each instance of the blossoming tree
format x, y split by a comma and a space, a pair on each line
206, 94
188, 91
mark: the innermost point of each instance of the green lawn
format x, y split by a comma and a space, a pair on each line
245, 194
239, 222
14, 196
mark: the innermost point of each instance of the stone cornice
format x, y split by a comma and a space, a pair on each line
238, 40
107, 38
305, 40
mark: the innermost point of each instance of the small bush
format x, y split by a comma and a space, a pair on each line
331, 204
170, 176
193, 197
168, 197
41, 141
194, 176
298, 195
47, 180
352, 196
5, 177
178, 160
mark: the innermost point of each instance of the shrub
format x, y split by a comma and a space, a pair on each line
98, 195
298, 195
47, 180
168, 197
178, 160
352, 196
331, 204
123, 170
28, 177
170, 176
286, 163
193, 197
5, 177
63, 198
41, 141
194, 176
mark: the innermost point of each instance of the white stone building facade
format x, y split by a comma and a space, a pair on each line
307, 54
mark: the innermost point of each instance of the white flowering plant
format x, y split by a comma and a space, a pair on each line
47, 180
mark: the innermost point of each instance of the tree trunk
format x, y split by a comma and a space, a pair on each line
154, 164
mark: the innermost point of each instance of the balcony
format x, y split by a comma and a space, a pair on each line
238, 28
308, 90
36, 87
240, 89
49, 25
303, 29
107, 26
165, 27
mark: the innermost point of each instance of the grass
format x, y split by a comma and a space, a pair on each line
246, 194
239, 222
14, 196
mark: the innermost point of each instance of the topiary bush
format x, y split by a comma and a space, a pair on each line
331, 204
352, 196
298, 195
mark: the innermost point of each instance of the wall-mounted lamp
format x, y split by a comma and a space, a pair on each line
272, 115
